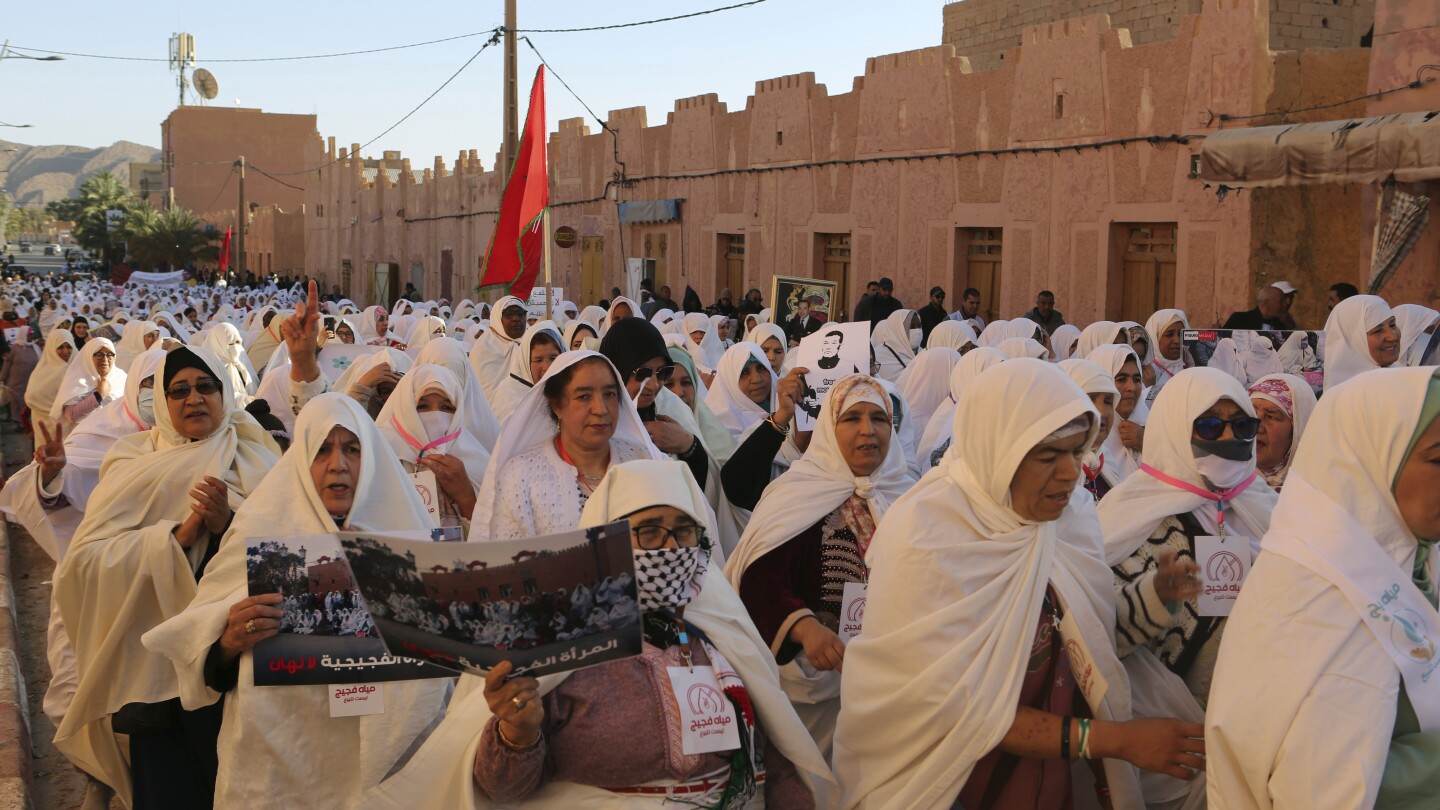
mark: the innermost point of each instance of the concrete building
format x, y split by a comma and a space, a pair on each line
1070, 165
147, 181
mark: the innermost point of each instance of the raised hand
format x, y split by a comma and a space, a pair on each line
788, 392
302, 337
50, 454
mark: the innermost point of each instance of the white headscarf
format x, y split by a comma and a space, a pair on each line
287, 732
1155, 325
729, 404
993, 333
518, 380
81, 378
1347, 348
925, 385
952, 335
1310, 610
87, 444
1015, 348
224, 342
132, 342
1092, 337
768, 331
369, 327
43, 390
610, 313
1138, 504
890, 344
491, 352
1120, 461
480, 420
400, 423
124, 573
941, 427
421, 332
1092, 379
1413, 320
956, 585
709, 350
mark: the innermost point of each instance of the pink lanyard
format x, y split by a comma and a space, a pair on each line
137, 422
415, 443
1168, 372
1218, 497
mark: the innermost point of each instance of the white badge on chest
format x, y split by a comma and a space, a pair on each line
1224, 564
428, 488
707, 717
1082, 664
852, 611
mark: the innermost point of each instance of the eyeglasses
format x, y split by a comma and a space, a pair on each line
662, 374
650, 538
105, 355
205, 385
1211, 428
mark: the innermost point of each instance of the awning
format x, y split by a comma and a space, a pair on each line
1404, 147
639, 212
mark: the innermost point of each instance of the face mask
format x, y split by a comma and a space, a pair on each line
916, 335
435, 423
146, 402
668, 578
1223, 463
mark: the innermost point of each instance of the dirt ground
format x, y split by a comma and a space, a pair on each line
58, 786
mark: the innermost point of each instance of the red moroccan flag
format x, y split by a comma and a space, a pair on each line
517, 244
225, 251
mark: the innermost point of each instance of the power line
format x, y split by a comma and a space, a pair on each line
273, 177
495, 38
1414, 85
225, 185
261, 58
634, 24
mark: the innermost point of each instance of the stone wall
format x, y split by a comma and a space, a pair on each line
984, 30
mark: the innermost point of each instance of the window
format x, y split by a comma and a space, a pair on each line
506, 591
483, 593
531, 588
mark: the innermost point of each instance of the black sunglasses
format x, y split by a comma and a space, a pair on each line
205, 385
1211, 428
662, 374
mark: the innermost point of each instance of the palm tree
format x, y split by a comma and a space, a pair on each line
102, 192
171, 239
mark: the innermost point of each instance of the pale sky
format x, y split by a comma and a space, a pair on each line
94, 102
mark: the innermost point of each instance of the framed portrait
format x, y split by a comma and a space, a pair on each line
793, 298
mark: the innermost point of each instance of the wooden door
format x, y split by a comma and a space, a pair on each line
346, 270
592, 270
447, 273
655, 245
734, 275
835, 266
1147, 270
983, 258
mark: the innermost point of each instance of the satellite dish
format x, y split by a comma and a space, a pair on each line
205, 84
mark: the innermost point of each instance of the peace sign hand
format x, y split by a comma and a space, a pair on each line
50, 454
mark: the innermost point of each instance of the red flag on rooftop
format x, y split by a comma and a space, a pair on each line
225, 251
517, 244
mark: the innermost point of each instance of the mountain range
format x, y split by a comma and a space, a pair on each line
35, 175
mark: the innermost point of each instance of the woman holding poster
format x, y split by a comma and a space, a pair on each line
800, 565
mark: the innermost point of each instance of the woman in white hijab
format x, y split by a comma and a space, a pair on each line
577, 333
956, 335
164, 500
1360, 335
490, 355
91, 380
1283, 403
772, 342
278, 744
1015, 348
1198, 480
993, 333
422, 331
1097, 384
1125, 442
369, 380
1341, 608
708, 348
224, 341
528, 362
801, 561
267, 338
1166, 329
1097, 334
137, 337
894, 342
1065, 341
936, 441
43, 390
480, 420
925, 385
374, 326
575, 425
1417, 327
742, 393
527, 743
959, 687
620, 308
424, 423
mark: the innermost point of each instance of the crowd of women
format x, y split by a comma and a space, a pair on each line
991, 576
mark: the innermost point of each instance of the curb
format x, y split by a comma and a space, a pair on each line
17, 780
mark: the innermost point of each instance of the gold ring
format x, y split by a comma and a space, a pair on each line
519, 704
250, 626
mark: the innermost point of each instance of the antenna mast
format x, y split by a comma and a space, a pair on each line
182, 57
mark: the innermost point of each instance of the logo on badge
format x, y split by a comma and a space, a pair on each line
1225, 567
856, 613
1408, 635
704, 699
424, 494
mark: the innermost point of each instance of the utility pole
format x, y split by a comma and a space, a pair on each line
511, 144
240, 220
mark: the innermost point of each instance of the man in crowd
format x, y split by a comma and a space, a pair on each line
932, 313
862, 307
1268, 313
752, 305
1287, 321
665, 301
969, 311
1339, 292
883, 303
1045, 313
726, 305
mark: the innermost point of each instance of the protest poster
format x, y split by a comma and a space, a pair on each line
336, 357
546, 604
788, 294
1249, 354
326, 636
535, 304
837, 350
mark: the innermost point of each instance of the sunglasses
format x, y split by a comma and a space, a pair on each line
206, 386
662, 374
1211, 428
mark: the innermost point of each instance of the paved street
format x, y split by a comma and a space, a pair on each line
36, 261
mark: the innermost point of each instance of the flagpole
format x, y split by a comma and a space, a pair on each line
549, 290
